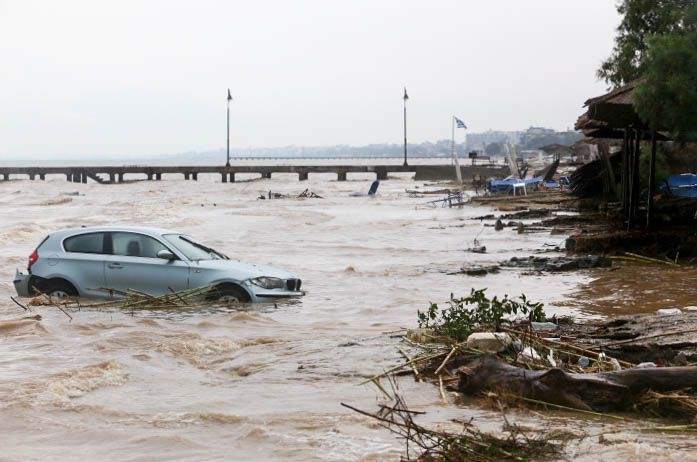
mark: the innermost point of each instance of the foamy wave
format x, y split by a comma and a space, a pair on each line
63, 387
179, 419
198, 351
56, 201
21, 326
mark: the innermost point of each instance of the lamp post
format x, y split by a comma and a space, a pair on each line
406, 97
229, 98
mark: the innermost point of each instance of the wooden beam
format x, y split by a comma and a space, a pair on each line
652, 181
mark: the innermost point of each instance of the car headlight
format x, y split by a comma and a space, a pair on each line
268, 283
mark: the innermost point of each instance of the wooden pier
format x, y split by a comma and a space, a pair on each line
117, 174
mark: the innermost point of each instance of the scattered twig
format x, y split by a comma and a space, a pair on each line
19, 304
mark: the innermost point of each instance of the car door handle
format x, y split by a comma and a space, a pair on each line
114, 265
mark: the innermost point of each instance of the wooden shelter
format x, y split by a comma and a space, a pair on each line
613, 116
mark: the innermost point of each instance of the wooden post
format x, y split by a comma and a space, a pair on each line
224, 177
232, 177
194, 176
302, 176
610, 184
341, 176
149, 176
84, 177
120, 177
112, 178
625, 173
636, 185
42, 176
186, 175
652, 181
158, 176
630, 180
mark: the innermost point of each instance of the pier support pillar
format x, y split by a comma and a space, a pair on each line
266, 175
5, 176
302, 176
224, 177
158, 176
68, 177
112, 178
76, 177
32, 176
120, 177
232, 177
42, 176
381, 174
84, 178
341, 176
186, 175
194, 176
149, 176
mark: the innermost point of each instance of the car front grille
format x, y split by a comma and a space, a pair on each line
293, 284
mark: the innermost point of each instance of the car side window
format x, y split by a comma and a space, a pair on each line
85, 243
135, 245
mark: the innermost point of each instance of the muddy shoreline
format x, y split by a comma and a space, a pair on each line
658, 342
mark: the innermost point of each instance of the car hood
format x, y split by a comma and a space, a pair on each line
240, 267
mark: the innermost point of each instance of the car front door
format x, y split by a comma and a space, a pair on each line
133, 264
83, 262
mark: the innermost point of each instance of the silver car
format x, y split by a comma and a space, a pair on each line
91, 262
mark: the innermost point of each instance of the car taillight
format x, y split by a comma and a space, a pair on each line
32, 259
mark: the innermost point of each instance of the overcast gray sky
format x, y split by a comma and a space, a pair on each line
123, 77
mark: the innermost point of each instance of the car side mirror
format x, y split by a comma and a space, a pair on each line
166, 255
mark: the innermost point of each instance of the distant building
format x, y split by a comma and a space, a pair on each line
531, 139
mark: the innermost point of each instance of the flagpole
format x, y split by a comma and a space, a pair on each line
405, 127
458, 173
227, 164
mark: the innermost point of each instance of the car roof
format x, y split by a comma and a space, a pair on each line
114, 228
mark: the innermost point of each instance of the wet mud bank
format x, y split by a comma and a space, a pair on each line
494, 353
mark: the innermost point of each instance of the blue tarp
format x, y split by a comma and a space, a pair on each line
506, 185
684, 185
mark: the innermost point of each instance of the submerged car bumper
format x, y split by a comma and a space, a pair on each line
21, 282
266, 295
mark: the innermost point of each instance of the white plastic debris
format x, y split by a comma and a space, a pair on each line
646, 365
669, 312
691, 308
615, 365
551, 360
529, 354
584, 362
489, 342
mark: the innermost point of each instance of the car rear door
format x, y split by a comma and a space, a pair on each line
133, 264
82, 262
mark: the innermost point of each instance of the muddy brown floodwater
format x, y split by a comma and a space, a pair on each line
265, 382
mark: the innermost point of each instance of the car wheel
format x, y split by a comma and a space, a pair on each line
228, 294
60, 290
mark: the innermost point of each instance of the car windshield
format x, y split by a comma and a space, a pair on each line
192, 249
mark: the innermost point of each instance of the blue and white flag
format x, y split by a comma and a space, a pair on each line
460, 124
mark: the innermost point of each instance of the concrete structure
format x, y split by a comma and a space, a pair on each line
117, 174
469, 172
